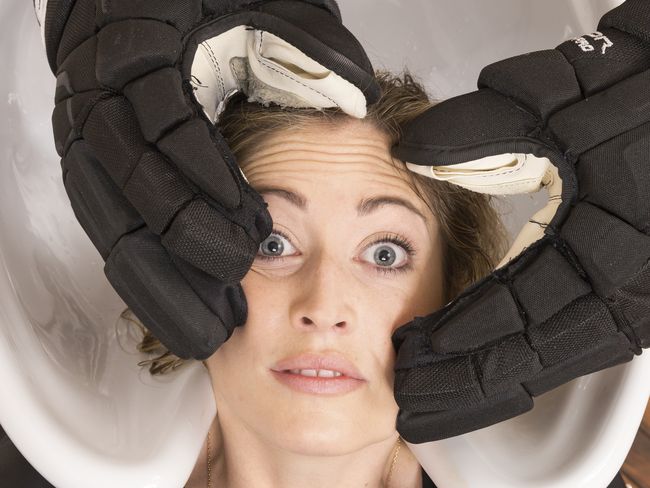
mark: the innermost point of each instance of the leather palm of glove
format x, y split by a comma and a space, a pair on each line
150, 179
573, 295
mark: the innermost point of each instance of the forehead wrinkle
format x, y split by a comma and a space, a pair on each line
377, 182
339, 149
341, 158
304, 171
320, 156
326, 136
334, 147
355, 140
372, 165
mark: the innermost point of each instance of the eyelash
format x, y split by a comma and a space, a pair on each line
393, 239
400, 241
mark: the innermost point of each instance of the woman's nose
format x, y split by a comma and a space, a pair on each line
323, 298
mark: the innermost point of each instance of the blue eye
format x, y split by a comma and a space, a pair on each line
389, 254
387, 251
274, 246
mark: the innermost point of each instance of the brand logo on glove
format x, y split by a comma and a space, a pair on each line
583, 43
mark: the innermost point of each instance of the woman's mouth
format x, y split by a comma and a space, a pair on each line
322, 373
317, 381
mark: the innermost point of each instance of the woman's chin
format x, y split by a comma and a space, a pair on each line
305, 422
326, 432
321, 442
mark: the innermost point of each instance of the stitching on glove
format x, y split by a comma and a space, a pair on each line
265, 63
215, 67
623, 324
524, 386
508, 281
478, 373
575, 74
560, 245
515, 183
494, 175
622, 321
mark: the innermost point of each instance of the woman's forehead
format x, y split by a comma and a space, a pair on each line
338, 187
343, 138
355, 156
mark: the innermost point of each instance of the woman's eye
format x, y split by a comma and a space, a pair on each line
389, 255
274, 246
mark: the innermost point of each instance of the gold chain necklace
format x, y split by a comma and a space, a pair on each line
209, 461
390, 473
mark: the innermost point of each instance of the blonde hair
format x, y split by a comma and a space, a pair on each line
473, 236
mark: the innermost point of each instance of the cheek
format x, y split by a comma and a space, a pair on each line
249, 341
427, 294
265, 329
266, 298
420, 294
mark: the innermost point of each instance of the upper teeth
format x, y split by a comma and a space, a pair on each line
316, 372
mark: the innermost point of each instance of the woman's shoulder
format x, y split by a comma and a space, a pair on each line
617, 482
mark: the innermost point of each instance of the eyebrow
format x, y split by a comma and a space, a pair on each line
365, 206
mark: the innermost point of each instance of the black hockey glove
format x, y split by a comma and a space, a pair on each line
140, 84
573, 295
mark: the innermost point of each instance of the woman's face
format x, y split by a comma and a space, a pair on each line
354, 254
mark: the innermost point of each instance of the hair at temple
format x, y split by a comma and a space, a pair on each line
472, 233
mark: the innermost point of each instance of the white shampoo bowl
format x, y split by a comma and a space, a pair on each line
74, 401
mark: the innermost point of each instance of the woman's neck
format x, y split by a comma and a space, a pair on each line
239, 459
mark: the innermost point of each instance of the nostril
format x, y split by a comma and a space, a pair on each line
308, 321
